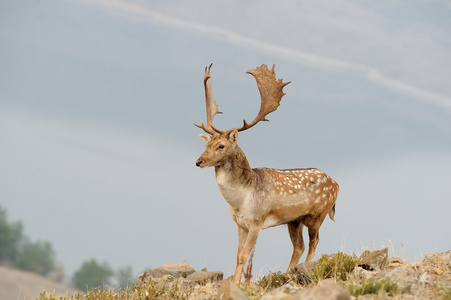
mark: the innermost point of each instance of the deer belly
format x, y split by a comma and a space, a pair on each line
287, 213
272, 221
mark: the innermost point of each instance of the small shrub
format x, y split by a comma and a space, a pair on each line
334, 266
274, 280
443, 293
372, 286
252, 290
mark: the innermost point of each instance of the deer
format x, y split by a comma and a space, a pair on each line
259, 198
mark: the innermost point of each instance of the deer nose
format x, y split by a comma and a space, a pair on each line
199, 162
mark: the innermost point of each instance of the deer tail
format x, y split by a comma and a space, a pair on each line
332, 213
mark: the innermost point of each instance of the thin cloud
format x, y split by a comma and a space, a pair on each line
296, 56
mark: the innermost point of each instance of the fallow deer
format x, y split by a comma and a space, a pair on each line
260, 198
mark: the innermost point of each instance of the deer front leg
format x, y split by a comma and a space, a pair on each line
242, 235
244, 249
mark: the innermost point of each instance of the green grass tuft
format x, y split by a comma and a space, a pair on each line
372, 286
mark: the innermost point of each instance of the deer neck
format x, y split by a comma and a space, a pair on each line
235, 177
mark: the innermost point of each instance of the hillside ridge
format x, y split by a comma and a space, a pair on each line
18, 285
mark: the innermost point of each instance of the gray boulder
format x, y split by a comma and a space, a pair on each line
325, 291
374, 260
182, 269
203, 277
406, 278
229, 291
282, 292
175, 270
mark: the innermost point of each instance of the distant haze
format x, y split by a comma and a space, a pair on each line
98, 100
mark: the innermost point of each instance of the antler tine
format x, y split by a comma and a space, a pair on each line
212, 107
271, 93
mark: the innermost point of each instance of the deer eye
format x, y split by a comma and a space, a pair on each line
221, 147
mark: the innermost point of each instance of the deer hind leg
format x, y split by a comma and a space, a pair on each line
295, 230
313, 233
244, 249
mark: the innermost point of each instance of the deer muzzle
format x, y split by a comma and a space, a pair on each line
199, 162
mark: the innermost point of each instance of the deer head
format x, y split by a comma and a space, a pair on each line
221, 144
220, 149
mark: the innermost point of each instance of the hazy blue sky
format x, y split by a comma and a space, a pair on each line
98, 98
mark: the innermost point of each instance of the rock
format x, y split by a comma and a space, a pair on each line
406, 278
325, 291
202, 277
442, 256
374, 260
437, 260
205, 292
394, 265
360, 273
206, 289
303, 268
282, 292
438, 271
180, 283
395, 262
229, 291
437, 267
151, 275
177, 270
302, 271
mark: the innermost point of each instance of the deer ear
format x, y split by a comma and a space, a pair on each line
205, 138
233, 136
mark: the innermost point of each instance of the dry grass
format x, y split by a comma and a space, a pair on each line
435, 270
162, 288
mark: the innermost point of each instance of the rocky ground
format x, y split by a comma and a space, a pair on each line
374, 276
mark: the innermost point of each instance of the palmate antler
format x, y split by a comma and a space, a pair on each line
212, 107
271, 93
